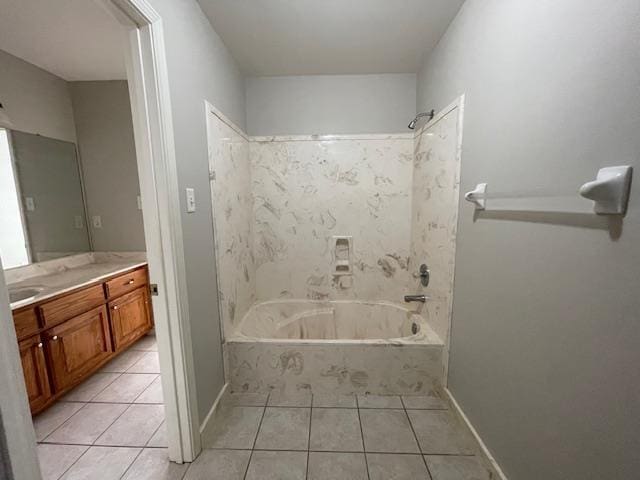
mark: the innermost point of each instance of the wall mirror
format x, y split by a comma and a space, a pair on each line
42, 208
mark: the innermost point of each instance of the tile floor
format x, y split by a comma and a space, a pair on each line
111, 426
329, 437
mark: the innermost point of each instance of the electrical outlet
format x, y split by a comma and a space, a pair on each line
191, 200
139, 200
30, 204
97, 221
78, 222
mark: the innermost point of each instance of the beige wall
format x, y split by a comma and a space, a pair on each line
546, 328
35, 100
104, 129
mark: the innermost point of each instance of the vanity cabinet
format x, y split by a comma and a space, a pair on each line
77, 347
34, 367
65, 339
130, 317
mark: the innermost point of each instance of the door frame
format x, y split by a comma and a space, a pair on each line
147, 74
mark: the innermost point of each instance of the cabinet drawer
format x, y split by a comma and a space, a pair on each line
126, 283
69, 306
26, 322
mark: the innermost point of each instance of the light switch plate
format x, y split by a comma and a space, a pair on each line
191, 200
97, 221
30, 204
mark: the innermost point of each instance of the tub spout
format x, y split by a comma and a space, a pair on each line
415, 298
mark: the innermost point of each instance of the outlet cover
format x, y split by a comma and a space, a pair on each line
30, 204
97, 221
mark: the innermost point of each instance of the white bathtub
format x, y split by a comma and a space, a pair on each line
333, 346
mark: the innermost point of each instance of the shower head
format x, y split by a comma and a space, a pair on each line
412, 124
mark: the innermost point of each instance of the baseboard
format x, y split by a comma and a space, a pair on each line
211, 416
491, 461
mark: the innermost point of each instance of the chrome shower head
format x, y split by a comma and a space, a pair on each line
412, 123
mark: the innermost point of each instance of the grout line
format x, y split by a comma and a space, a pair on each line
264, 410
76, 461
309, 437
424, 460
364, 448
131, 464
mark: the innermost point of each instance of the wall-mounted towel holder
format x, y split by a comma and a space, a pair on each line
609, 192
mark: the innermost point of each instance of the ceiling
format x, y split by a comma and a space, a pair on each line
73, 39
305, 37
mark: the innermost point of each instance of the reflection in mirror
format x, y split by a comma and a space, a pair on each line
42, 211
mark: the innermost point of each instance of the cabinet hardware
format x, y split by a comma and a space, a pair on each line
55, 337
40, 345
115, 307
130, 282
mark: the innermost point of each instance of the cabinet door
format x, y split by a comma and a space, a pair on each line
130, 317
78, 346
35, 372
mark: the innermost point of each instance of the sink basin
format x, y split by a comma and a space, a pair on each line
23, 293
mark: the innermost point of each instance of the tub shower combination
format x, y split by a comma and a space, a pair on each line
318, 239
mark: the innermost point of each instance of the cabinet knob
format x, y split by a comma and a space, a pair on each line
55, 337
115, 307
40, 345
130, 282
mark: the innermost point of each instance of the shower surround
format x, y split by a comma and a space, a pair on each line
279, 202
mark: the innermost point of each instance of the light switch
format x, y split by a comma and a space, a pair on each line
191, 200
97, 221
30, 204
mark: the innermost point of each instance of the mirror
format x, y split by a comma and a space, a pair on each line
42, 208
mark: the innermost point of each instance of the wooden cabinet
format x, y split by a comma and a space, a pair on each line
35, 372
77, 346
65, 339
130, 317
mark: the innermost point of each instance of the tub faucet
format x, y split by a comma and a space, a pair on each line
415, 298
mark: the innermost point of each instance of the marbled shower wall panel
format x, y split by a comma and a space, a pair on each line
436, 179
230, 173
308, 189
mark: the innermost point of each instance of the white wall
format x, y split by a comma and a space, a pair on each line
330, 104
104, 129
200, 68
546, 326
35, 100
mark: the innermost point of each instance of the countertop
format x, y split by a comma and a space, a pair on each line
59, 282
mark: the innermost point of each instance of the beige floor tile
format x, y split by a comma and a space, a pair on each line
453, 467
284, 429
134, 428
385, 466
431, 401
54, 416
379, 401
335, 429
91, 387
148, 363
439, 432
104, 463
387, 431
152, 394
236, 427
219, 465
159, 439
296, 399
337, 466
123, 361
56, 459
126, 388
88, 424
154, 464
277, 466
330, 400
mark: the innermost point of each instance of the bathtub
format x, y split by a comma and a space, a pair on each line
333, 346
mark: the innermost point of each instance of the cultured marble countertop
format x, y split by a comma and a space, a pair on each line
59, 282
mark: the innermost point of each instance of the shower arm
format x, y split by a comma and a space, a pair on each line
431, 114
